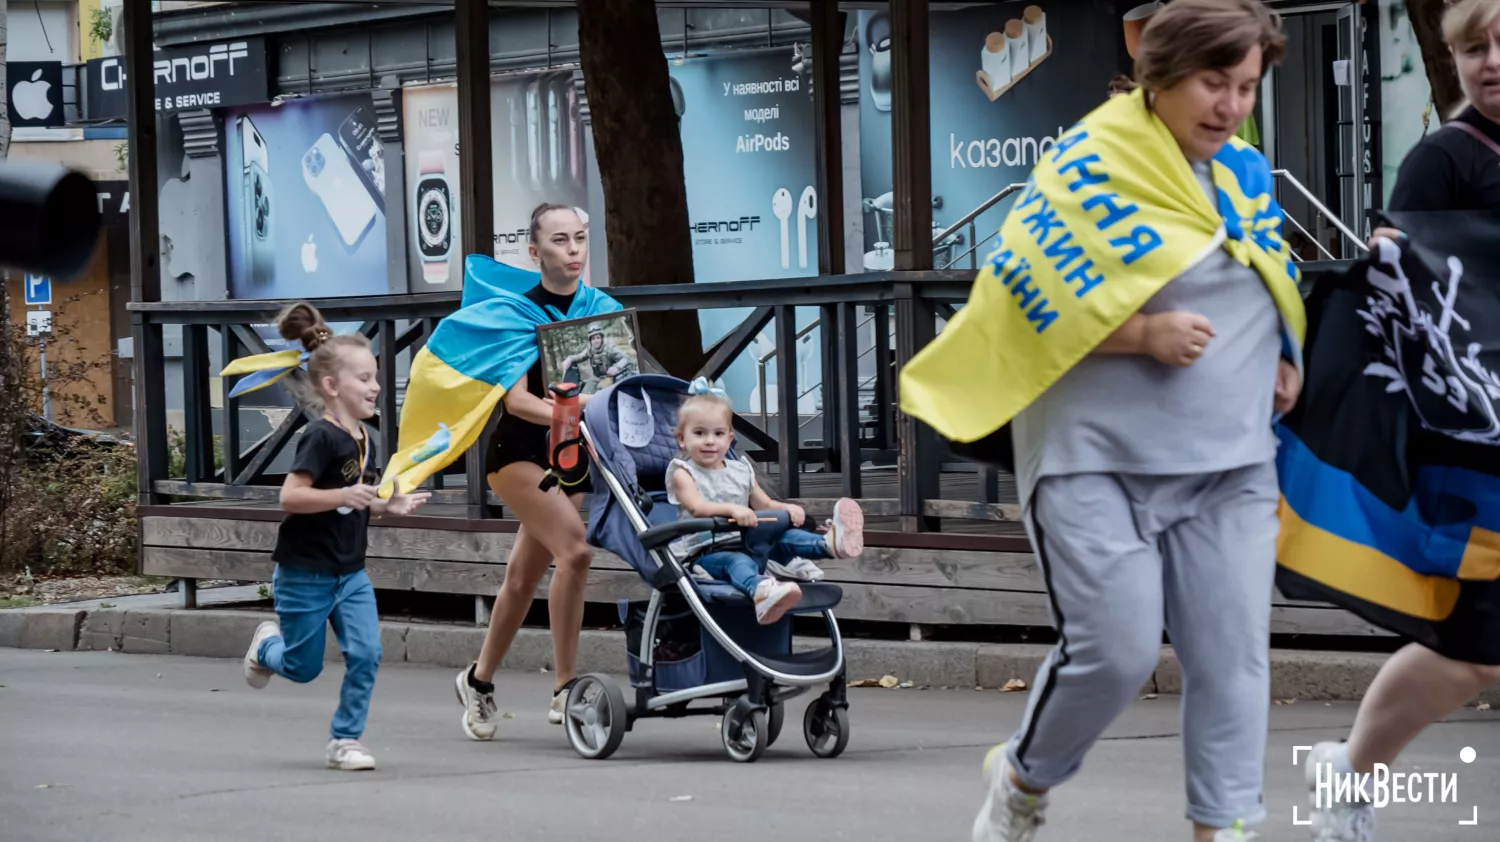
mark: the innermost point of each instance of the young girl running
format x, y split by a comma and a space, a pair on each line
706, 484
320, 551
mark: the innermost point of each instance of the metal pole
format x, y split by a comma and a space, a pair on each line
46, 390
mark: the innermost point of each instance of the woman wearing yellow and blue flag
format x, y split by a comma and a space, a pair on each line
1136, 330
483, 357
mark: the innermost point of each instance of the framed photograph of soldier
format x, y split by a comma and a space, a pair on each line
594, 352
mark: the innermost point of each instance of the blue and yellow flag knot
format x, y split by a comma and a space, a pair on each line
1111, 214
263, 370
474, 356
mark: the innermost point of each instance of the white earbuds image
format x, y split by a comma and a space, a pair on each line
781, 205
806, 209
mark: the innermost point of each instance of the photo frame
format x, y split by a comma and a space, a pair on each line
570, 354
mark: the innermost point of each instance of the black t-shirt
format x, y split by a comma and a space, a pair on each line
331, 541
1451, 169
516, 439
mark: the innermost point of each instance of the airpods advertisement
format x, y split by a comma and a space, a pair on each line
306, 191
750, 160
1006, 81
537, 147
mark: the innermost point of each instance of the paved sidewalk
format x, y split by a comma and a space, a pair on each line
118, 747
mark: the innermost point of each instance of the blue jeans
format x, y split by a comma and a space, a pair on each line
306, 602
744, 572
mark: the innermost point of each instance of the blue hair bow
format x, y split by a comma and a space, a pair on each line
700, 386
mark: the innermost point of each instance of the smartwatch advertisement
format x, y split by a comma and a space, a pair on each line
538, 156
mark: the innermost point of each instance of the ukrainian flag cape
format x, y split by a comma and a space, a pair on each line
1110, 215
472, 358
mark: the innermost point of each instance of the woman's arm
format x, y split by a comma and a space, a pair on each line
526, 406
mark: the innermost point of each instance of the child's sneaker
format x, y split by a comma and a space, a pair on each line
1008, 814
1341, 821
349, 756
479, 707
256, 675
773, 598
798, 569
846, 530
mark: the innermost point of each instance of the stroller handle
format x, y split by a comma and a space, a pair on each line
658, 536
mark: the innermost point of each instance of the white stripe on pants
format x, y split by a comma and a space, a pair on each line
1124, 554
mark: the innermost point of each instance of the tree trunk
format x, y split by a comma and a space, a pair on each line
639, 149
1427, 23
4, 111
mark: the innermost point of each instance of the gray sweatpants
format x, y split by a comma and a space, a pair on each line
1122, 555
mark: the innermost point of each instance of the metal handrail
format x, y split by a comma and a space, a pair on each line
1313, 200
760, 366
968, 218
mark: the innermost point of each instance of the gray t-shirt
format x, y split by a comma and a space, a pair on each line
730, 484
1129, 413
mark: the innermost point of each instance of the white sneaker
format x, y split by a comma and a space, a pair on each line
798, 569
1342, 821
1008, 815
349, 756
846, 529
256, 675
773, 598
560, 703
479, 708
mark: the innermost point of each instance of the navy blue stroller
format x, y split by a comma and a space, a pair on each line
693, 640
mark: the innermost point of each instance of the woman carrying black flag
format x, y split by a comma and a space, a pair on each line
1456, 168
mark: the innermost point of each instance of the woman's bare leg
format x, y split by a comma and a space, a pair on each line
1414, 689
550, 530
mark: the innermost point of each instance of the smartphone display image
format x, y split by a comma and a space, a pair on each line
259, 251
330, 176
357, 137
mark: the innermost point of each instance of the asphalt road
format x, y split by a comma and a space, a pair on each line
102, 746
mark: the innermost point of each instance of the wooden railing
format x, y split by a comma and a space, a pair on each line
862, 440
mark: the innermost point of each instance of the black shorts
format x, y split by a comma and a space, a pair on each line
521, 441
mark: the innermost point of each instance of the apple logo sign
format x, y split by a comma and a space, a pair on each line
30, 98
309, 255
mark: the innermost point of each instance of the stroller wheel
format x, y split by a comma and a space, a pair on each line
773, 723
826, 728
595, 716
746, 732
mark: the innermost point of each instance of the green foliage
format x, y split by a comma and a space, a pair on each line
101, 25
73, 511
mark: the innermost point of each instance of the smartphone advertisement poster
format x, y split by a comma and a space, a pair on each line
305, 188
1006, 81
537, 149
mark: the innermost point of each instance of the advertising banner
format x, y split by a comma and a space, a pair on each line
537, 144
186, 78
750, 160
305, 189
1006, 81
34, 95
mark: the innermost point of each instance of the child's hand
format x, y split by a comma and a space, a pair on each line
358, 497
402, 505
798, 516
744, 516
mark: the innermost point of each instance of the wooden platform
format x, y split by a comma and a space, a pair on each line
948, 579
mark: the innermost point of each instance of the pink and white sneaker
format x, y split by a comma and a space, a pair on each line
773, 598
846, 530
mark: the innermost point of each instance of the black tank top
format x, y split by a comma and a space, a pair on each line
516, 439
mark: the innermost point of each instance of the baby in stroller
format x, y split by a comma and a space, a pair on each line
705, 484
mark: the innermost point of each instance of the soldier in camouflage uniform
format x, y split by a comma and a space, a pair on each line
604, 359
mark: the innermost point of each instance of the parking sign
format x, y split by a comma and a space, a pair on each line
38, 290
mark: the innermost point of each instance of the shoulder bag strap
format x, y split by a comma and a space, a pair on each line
1478, 135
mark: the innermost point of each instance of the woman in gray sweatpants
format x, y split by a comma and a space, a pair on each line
1149, 488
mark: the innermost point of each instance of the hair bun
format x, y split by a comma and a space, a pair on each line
316, 335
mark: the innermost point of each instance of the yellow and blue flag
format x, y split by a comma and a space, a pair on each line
1390, 463
474, 356
1111, 214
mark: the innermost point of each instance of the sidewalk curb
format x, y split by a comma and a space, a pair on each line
1295, 674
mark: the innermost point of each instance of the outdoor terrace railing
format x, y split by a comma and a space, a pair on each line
882, 319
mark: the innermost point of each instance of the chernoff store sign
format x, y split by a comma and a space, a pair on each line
186, 79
